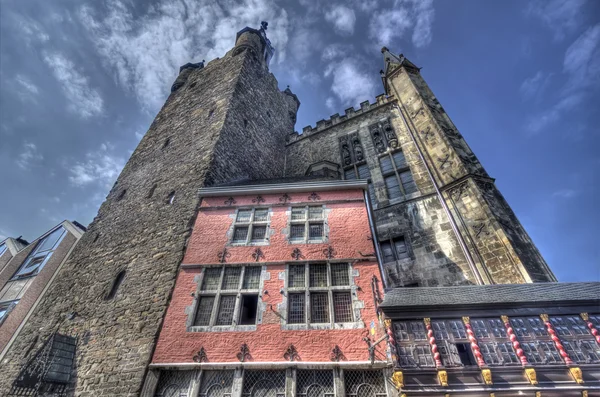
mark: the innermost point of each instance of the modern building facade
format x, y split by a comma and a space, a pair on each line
122, 303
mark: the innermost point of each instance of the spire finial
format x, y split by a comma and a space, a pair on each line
384, 49
263, 25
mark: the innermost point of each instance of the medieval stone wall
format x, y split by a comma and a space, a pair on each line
143, 225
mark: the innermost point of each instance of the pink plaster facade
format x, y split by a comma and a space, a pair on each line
348, 235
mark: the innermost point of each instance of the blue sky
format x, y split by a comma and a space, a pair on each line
81, 82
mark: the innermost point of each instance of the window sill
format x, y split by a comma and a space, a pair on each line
250, 244
297, 242
222, 328
335, 326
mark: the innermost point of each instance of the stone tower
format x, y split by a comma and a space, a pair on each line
222, 122
440, 219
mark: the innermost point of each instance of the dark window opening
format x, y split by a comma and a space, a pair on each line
245, 123
394, 250
249, 309
465, 354
116, 285
96, 237
268, 114
151, 192
122, 194
167, 141
212, 111
171, 197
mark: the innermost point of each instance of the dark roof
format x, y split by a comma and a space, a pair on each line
275, 181
481, 295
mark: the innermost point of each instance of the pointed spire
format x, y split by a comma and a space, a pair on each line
391, 62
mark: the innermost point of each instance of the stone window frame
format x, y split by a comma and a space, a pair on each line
250, 225
575, 337
414, 351
355, 304
219, 292
356, 169
493, 341
396, 171
307, 221
535, 341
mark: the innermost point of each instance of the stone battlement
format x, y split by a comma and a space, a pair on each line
337, 119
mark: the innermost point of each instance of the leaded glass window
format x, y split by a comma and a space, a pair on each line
364, 383
216, 383
314, 383
307, 224
263, 384
491, 333
251, 226
394, 249
174, 384
412, 350
398, 179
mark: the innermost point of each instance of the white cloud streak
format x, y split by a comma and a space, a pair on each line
534, 86
29, 156
342, 18
392, 24
26, 89
83, 100
100, 167
562, 16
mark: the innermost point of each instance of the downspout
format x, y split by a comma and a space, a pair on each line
457, 233
375, 240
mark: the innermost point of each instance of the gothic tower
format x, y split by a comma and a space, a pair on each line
222, 122
440, 220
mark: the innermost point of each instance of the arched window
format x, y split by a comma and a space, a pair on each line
116, 285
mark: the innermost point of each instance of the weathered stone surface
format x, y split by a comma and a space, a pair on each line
227, 121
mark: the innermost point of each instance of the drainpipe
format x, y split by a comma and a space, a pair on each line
374, 235
457, 233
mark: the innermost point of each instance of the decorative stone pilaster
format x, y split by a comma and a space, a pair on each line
556, 340
473, 340
590, 325
434, 349
513, 338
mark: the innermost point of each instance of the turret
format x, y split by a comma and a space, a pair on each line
255, 41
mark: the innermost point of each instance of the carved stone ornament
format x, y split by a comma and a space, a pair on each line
244, 353
200, 357
398, 379
576, 374
336, 354
444, 162
230, 201
377, 137
531, 376
443, 377
479, 229
257, 255
357, 147
345, 151
390, 134
427, 133
457, 191
486, 373
291, 354
223, 255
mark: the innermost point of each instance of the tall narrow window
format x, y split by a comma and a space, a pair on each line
535, 341
398, 179
40, 255
228, 296
251, 226
394, 249
493, 342
115, 286
328, 294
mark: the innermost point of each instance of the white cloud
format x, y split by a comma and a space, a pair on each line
351, 83
565, 193
562, 16
146, 52
582, 59
342, 18
304, 43
533, 87
336, 51
330, 103
28, 156
83, 100
32, 31
100, 167
26, 89
393, 24
552, 115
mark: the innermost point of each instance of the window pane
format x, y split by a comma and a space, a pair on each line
418, 330
226, 308
231, 278
261, 215
319, 308
248, 309
401, 330
50, 240
386, 165
342, 307
400, 160
315, 230
297, 232
339, 274
244, 215
205, 306
240, 234
408, 182
363, 171
393, 189
296, 309
439, 329
296, 276
497, 327
211, 278
315, 213
258, 233
350, 174
251, 277
32, 266
318, 275
298, 214
388, 253
458, 329
480, 329
400, 246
